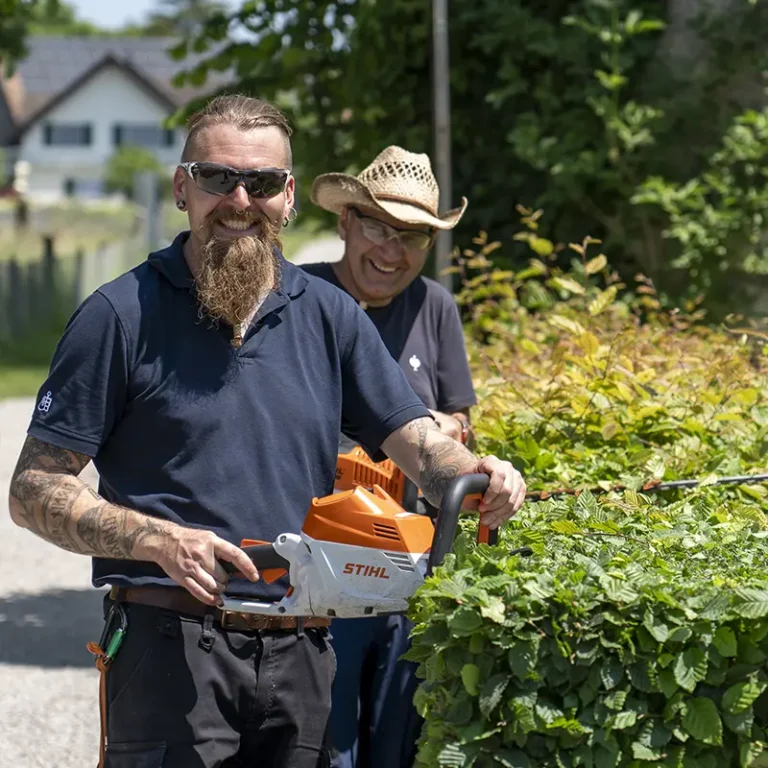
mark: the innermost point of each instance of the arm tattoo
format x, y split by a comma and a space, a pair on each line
55, 504
114, 534
441, 459
37, 455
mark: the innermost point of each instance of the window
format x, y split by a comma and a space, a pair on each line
146, 135
90, 188
67, 134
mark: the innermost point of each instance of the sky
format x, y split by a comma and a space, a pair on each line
116, 13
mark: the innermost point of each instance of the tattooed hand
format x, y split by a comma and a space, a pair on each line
432, 460
505, 494
48, 498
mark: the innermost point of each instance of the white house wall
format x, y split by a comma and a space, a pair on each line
111, 97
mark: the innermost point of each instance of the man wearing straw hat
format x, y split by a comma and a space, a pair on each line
388, 219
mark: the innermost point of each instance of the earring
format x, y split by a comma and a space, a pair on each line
181, 204
292, 214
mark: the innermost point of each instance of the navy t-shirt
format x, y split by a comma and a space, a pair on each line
183, 426
422, 330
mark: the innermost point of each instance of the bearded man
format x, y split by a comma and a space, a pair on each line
207, 385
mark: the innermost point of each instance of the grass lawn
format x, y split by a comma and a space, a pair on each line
21, 380
24, 362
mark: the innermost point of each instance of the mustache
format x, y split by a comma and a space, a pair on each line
268, 229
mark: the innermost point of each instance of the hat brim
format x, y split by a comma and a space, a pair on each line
335, 191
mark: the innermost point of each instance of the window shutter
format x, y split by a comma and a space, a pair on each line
87, 134
48, 134
117, 135
170, 137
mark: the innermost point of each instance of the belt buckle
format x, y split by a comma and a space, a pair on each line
243, 622
227, 619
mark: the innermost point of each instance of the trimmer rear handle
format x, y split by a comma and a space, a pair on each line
264, 558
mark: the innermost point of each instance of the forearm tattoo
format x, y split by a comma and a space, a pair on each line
441, 459
60, 508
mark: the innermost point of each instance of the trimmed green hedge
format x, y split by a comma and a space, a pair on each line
636, 635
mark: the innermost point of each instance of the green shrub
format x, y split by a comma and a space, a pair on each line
637, 633
126, 162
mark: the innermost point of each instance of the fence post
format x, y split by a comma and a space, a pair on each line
17, 290
5, 300
48, 279
78, 287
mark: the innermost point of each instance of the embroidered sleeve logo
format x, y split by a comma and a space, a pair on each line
45, 403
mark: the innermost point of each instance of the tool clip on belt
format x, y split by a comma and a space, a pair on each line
112, 636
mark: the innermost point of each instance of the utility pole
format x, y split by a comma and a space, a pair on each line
442, 125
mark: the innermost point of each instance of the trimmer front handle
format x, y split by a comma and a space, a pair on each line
448, 517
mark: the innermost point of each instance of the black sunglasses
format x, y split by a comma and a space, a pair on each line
222, 180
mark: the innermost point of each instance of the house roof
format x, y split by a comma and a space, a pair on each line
56, 66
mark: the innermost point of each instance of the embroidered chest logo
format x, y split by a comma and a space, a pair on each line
45, 402
415, 363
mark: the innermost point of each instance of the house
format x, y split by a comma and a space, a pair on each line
73, 101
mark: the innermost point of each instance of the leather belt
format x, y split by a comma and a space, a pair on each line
180, 601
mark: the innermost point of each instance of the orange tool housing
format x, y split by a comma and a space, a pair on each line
361, 518
368, 519
356, 468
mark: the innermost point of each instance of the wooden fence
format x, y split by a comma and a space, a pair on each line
46, 290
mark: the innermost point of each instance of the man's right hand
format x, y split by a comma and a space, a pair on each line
191, 558
48, 498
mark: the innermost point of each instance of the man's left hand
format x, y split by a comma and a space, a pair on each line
505, 494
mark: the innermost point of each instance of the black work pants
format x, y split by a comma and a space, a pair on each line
257, 699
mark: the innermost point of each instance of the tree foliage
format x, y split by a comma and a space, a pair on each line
60, 18
174, 18
17, 16
570, 104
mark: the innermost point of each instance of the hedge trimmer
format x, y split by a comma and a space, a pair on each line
650, 486
358, 554
356, 468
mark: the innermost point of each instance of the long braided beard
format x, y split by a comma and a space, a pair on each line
235, 273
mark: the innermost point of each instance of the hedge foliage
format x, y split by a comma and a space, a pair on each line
636, 634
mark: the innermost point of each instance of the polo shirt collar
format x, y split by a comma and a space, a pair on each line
170, 262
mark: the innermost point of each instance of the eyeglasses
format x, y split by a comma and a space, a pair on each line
222, 180
380, 233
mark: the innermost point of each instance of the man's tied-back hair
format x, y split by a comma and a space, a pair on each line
244, 113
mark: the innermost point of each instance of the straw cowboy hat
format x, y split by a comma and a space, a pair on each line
397, 182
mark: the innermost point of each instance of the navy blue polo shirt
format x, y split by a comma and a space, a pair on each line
184, 427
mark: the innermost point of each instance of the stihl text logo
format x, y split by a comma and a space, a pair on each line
358, 569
